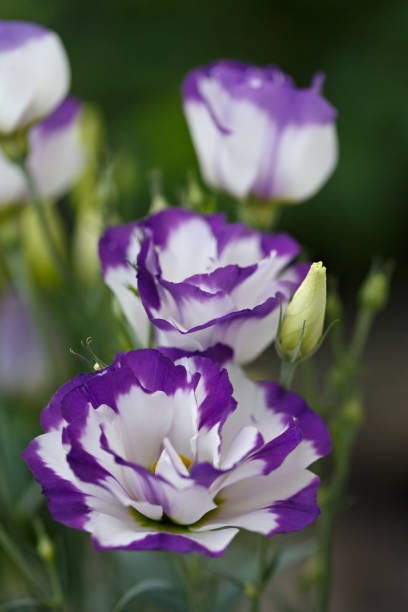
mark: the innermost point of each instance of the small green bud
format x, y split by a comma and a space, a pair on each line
312, 573
304, 317
374, 290
45, 548
250, 590
352, 412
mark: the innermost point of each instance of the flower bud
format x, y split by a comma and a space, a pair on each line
34, 74
304, 316
374, 291
45, 548
257, 134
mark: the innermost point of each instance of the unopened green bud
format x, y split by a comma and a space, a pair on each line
312, 573
304, 317
374, 291
45, 548
250, 590
352, 412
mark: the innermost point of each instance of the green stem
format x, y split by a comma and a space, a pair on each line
256, 599
329, 518
57, 601
343, 390
12, 551
38, 205
287, 372
364, 322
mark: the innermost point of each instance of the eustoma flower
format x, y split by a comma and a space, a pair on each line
201, 280
256, 133
152, 452
56, 156
34, 74
24, 364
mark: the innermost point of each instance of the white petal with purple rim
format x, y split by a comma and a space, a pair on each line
257, 134
34, 75
56, 157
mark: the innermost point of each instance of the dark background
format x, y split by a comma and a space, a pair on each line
129, 58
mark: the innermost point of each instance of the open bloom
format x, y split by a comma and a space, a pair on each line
34, 74
256, 133
56, 156
201, 280
152, 452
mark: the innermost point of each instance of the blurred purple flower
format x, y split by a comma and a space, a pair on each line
34, 74
153, 453
56, 156
22, 356
201, 280
256, 133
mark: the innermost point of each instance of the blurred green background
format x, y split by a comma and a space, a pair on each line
129, 58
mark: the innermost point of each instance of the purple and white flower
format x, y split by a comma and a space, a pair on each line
201, 280
34, 74
257, 134
153, 453
25, 366
56, 156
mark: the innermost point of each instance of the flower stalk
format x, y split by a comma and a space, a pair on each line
345, 423
38, 205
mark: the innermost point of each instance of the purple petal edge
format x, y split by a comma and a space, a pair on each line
65, 114
66, 503
164, 541
14, 34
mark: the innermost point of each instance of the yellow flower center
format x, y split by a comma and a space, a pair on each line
186, 461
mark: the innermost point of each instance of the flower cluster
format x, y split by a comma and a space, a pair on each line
174, 447
34, 82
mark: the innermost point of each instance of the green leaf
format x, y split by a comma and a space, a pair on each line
17, 604
142, 588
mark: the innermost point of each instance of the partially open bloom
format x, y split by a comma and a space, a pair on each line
153, 453
56, 156
201, 280
304, 317
34, 74
256, 133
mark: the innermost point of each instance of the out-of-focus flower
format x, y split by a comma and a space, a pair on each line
304, 317
374, 291
37, 256
56, 158
34, 74
256, 133
24, 364
201, 280
152, 453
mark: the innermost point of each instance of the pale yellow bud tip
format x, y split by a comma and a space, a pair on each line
305, 315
